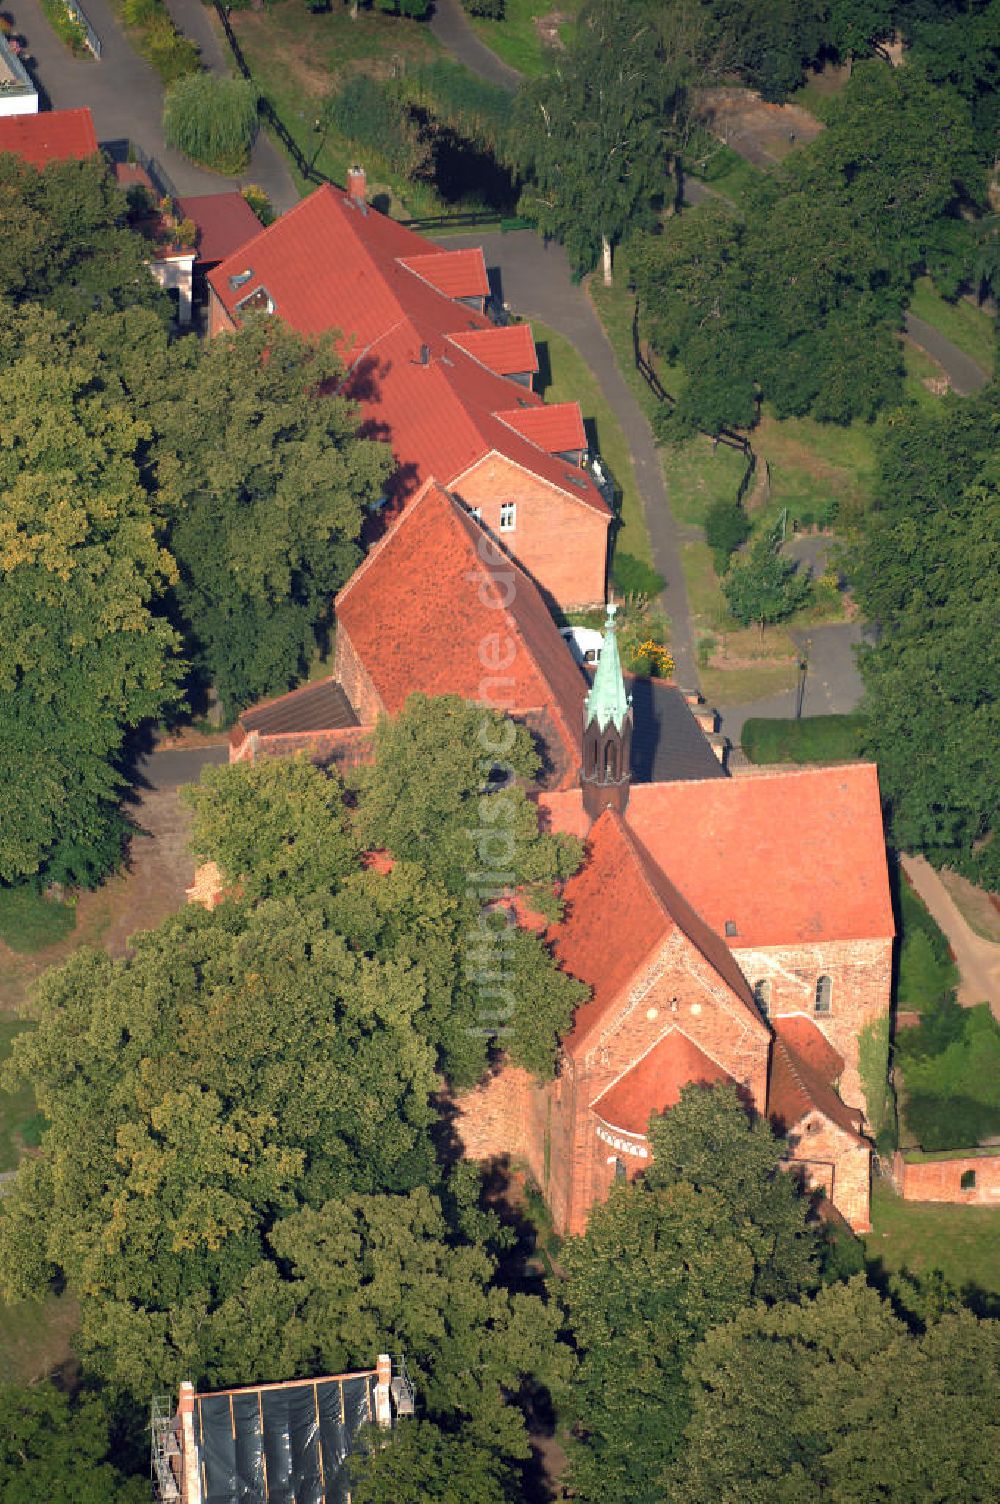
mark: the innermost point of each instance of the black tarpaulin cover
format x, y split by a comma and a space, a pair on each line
282, 1444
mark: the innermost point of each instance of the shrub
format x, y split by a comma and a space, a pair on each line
212, 120
727, 526
66, 28
633, 576
815, 738
173, 56
259, 203
492, 10
368, 113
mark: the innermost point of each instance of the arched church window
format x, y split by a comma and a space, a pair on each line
611, 762
762, 993
590, 756
824, 994
620, 1172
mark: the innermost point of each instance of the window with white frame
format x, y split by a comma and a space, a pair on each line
508, 516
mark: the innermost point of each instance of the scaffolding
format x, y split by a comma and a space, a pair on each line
164, 1452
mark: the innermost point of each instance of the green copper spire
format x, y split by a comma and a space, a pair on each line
607, 700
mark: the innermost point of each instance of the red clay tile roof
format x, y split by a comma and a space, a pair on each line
225, 222
788, 857
655, 1082
556, 429
799, 1082
326, 265
619, 910
424, 606
49, 136
507, 352
457, 274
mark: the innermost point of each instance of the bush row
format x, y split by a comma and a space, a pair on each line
155, 36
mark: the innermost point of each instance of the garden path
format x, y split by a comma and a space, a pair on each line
978, 960
450, 25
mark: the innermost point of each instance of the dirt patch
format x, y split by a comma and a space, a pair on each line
762, 133
548, 29
160, 867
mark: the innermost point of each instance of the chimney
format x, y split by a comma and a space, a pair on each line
383, 1407
357, 186
190, 1473
425, 355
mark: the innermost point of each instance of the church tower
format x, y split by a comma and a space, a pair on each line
607, 732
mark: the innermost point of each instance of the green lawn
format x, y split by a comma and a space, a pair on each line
17, 1109
298, 57
698, 475
962, 1241
969, 328
29, 921
816, 738
721, 169
564, 376
517, 40
35, 1338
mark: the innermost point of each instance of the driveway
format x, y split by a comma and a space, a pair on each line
832, 687
534, 278
978, 960
962, 371
450, 25
125, 97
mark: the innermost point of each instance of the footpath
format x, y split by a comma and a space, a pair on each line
978, 960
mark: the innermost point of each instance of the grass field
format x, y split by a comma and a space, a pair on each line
722, 169
564, 376
29, 921
962, 1241
298, 57
969, 328
518, 40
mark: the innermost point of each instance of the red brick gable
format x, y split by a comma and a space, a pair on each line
437, 608
619, 910
787, 858
655, 1083
804, 1067
49, 136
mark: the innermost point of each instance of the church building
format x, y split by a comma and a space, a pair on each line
734, 929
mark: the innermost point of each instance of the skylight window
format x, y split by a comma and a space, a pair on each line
240, 279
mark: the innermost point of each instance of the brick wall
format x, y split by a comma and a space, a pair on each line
561, 542
831, 1160
218, 318
861, 973
347, 747
941, 1179
349, 671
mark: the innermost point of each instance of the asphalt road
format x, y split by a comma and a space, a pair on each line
169, 768
125, 97
450, 25
964, 374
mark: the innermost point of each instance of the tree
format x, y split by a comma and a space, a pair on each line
425, 1465
763, 587
727, 527
712, 1225
834, 1399
57, 1449
924, 569
236, 1067
263, 481
212, 119
592, 137
82, 658
66, 243
276, 827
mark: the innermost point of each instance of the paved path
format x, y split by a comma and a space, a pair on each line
978, 959
535, 280
833, 684
450, 25
964, 374
172, 766
125, 97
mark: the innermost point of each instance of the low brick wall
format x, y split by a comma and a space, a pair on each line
970, 1178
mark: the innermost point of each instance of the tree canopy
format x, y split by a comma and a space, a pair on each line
82, 657
712, 1225
924, 564
834, 1399
66, 241
57, 1449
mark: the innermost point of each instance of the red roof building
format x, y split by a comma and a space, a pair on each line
450, 392
224, 221
50, 136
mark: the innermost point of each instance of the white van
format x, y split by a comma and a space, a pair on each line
584, 643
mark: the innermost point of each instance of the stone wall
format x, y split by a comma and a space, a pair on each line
832, 1160
941, 1179
351, 673
861, 974
561, 542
